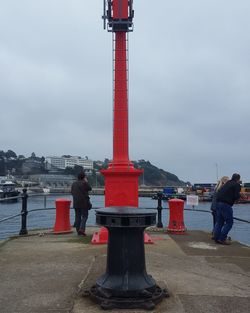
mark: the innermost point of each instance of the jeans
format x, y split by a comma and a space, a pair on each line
81, 217
214, 217
224, 221
214, 221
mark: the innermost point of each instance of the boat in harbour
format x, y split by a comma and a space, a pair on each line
8, 191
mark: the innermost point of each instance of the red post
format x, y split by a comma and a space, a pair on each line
62, 222
176, 222
120, 136
121, 177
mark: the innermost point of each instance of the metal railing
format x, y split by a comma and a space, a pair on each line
159, 197
24, 210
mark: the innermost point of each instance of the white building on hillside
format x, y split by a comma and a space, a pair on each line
86, 164
54, 162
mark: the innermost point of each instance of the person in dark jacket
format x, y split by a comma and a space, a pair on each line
79, 191
226, 197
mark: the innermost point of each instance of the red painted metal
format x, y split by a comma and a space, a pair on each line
100, 237
120, 9
176, 222
121, 177
62, 222
120, 135
121, 186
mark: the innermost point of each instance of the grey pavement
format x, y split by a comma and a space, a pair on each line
47, 273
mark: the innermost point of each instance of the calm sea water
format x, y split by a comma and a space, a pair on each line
46, 219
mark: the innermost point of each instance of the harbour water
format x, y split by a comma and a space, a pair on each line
46, 218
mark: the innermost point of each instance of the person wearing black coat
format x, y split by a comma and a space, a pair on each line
79, 191
226, 197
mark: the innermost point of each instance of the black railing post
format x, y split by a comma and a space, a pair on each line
24, 213
159, 209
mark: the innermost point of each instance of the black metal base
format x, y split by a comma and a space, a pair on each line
126, 284
146, 300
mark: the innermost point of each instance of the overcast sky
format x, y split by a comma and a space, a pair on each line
189, 83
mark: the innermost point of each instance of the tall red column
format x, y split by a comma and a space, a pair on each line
121, 178
120, 136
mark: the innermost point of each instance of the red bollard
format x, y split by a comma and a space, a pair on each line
100, 237
62, 223
176, 223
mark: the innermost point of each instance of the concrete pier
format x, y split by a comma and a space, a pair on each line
44, 273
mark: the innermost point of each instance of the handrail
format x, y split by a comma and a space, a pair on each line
10, 198
34, 210
207, 211
159, 197
24, 212
10, 217
47, 209
28, 211
29, 195
44, 194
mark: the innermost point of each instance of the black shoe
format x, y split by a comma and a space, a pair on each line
81, 233
224, 242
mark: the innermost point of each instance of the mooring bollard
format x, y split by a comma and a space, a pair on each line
176, 222
126, 283
24, 213
62, 222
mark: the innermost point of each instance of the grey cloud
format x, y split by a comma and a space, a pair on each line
188, 83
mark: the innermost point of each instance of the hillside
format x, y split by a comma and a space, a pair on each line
19, 165
155, 176
152, 176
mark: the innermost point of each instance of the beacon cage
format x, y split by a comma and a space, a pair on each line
118, 15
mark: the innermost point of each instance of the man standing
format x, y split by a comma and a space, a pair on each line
226, 197
79, 191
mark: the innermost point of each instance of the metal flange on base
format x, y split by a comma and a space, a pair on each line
146, 299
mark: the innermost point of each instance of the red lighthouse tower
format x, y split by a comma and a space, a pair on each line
121, 178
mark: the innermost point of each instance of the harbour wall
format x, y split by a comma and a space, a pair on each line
147, 191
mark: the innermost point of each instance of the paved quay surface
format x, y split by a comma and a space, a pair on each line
46, 273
